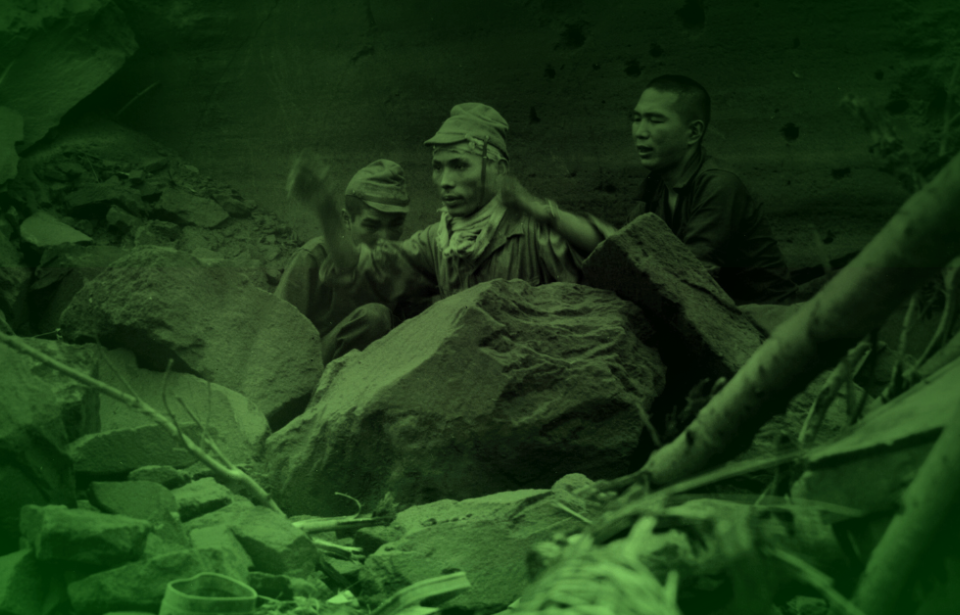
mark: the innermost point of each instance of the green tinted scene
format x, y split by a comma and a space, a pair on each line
401, 307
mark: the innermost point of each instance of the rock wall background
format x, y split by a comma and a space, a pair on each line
238, 87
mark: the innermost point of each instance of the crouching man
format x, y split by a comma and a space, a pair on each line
490, 227
705, 205
349, 311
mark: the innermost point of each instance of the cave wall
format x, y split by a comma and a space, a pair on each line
239, 86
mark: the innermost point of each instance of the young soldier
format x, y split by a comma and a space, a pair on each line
348, 312
490, 227
706, 206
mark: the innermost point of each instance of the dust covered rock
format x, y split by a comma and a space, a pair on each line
235, 423
488, 538
119, 451
208, 318
647, 264
56, 532
502, 386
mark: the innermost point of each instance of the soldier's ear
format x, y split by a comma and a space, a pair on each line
696, 129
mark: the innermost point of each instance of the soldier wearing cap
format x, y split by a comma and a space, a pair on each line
490, 227
348, 311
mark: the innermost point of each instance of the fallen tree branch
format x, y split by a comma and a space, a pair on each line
226, 470
919, 240
927, 503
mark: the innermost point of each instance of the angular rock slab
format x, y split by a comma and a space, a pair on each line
65, 534
648, 265
208, 318
272, 542
119, 451
185, 208
44, 231
499, 387
237, 425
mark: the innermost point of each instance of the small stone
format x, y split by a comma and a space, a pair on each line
137, 499
185, 208
201, 497
168, 476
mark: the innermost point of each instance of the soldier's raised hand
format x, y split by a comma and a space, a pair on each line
307, 181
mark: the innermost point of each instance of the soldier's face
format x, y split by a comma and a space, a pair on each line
458, 176
659, 133
372, 225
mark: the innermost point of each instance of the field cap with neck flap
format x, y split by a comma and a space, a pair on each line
475, 123
381, 185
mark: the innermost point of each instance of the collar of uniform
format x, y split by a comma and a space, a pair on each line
688, 171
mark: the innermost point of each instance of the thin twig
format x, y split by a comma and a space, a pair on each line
137, 97
231, 474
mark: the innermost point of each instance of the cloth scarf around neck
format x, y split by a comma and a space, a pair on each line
467, 237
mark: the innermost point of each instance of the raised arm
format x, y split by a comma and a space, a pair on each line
581, 233
308, 185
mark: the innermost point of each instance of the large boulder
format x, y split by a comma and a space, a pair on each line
699, 325
503, 386
208, 319
41, 412
236, 425
55, 55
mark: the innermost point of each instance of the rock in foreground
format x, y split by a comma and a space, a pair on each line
503, 386
208, 318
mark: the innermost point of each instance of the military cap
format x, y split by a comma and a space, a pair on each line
475, 120
381, 185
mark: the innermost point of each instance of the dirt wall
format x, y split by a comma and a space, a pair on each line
242, 85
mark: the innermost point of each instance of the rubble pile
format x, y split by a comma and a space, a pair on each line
80, 203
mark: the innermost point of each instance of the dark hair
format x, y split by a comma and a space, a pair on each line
694, 102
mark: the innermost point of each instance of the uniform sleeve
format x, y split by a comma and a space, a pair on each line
557, 258
300, 278
389, 271
719, 204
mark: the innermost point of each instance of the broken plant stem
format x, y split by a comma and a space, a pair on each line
448, 585
945, 326
331, 524
227, 471
811, 576
926, 505
919, 240
842, 374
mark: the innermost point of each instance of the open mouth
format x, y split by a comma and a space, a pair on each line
643, 150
